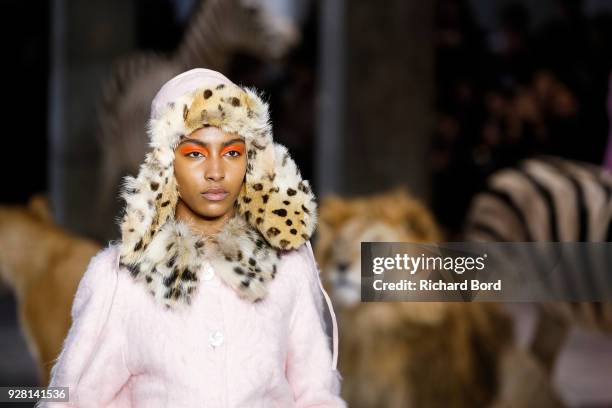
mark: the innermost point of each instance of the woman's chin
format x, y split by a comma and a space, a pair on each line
213, 210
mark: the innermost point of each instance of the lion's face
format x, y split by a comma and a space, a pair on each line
345, 223
344, 268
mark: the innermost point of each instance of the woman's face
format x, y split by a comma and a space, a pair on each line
209, 167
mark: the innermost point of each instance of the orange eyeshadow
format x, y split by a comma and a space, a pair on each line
237, 147
189, 148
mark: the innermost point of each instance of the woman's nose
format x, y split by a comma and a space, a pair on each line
214, 169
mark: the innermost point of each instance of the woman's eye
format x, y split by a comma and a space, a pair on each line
191, 154
236, 153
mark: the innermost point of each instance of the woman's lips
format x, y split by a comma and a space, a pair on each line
215, 196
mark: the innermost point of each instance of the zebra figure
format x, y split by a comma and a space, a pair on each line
217, 30
544, 199
548, 199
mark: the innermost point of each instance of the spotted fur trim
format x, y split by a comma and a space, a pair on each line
276, 209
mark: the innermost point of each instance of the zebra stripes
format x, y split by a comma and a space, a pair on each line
544, 199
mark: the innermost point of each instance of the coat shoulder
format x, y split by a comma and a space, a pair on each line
300, 264
98, 280
110, 252
104, 263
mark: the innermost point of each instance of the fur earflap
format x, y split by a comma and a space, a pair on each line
276, 209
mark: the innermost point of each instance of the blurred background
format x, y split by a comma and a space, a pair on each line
436, 98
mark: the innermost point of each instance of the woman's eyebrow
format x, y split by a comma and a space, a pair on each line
199, 142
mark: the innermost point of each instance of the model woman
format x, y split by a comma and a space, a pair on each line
212, 297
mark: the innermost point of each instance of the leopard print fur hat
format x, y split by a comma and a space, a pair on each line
276, 208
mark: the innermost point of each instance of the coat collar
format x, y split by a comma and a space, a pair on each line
170, 264
275, 210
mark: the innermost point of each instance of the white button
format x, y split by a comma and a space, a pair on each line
215, 338
209, 273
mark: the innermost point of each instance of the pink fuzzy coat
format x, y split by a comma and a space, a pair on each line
124, 351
